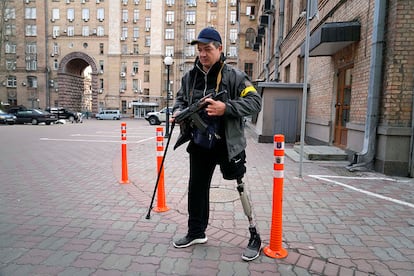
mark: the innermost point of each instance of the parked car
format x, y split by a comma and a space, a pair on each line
14, 109
157, 117
35, 116
63, 113
7, 118
109, 114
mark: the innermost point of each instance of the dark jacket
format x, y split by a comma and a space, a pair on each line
242, 100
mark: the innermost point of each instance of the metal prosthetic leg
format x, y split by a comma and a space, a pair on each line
253, 248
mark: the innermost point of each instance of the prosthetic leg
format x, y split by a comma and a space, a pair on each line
253, 248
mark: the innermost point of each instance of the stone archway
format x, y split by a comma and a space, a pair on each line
71, 80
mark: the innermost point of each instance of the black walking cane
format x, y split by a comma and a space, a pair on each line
160, 170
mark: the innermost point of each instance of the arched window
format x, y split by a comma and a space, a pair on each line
250, 35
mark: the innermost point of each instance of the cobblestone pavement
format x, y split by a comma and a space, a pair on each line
63, 210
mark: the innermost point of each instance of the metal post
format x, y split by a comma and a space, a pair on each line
167, 115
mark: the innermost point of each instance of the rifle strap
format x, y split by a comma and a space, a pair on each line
219, 77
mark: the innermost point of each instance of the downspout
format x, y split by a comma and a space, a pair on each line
411, 160
269, 42
279, 38
366, 157
47, 69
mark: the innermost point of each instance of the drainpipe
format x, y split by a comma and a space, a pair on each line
366, 157
269, 42
411, 161
47, 69
279, 37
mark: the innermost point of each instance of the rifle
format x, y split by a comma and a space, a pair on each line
191, 112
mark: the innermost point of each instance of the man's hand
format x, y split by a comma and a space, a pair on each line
215, 108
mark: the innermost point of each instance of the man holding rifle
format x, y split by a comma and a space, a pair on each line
210, 107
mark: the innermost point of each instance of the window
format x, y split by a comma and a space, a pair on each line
85, 14
11, 81
101, 48
232, 51
136, 15
31, 63
136, 49
250, 10
56, 31
30, 13
250, 36
101, 84
248, 69
135, 67
125, 15
31, 30
100, 31
124, 2
135, 32
135, 84
233, 17
147, 4
123, 67
31, 48
190, 51
287, 74
233, 35
9, 13
190, 35
147, 41
169, 17
70, 14
101, 66
190, 17
147, 23
146, 76
169, 33
55, 64
70, 31
169, 2
169, 51
85, 30
32, 82
55, 14
100, 14
191, 3
56, 49
124, 32
123, 85
10, 47
124, 50
10, 30
10, 64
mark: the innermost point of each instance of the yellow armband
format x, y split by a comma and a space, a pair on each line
247, 90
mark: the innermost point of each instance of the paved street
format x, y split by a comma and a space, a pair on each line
63, 210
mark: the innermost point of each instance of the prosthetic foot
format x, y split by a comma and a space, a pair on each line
253, 248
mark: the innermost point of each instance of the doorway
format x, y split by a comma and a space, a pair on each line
342, 106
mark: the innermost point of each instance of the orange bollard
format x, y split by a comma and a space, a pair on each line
161, 205
275, 249
124, 179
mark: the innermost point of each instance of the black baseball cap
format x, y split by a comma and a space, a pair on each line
207, 35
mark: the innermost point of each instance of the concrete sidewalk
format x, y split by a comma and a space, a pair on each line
64, 212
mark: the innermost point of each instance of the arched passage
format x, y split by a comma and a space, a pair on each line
71, 81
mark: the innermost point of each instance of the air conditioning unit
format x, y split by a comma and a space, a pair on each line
125, 20
98, 1
121, 90
86, 19
94, 31
135, 90
100, 19
70, 19
136, 2
52, 19
232, 41
232, 22
132, 74
123, 74
83, 1
67, 1
169, 22
135, 39
135, 20
252, 17
147, 29
100, 91
122, 38
101, 72
52, 54
27, 1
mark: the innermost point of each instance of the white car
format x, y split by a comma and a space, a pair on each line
157, 117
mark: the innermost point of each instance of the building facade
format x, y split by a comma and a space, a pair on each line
88, 55
360, 75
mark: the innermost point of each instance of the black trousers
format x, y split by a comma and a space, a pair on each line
202, 165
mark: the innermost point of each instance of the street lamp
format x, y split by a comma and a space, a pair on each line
168, 61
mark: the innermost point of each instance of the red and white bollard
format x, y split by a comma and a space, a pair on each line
124, 179
161, 205
275, 249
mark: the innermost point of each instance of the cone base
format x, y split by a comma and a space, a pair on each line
124, 181
161, 209
278, 254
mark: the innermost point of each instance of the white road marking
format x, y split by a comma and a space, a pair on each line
97, 141
326, 178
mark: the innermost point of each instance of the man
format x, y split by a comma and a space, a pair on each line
221, 141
